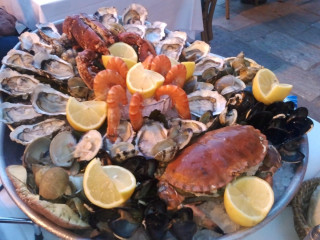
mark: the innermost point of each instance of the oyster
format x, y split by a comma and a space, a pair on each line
202, 101
49, 101
61, 149
206, 62
20, 60
134, 14
17, 84
196, 50
17, 113
48, 31
135, 28
31, 42
149, 135
25, 134
88, 146
53, 67
107, 15
171, 47
155, 32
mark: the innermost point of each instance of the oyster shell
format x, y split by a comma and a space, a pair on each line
53, 67
134, 14
149, 135
196, 50
155, 32
17, 113
135, 28
25, 134
61, 149
48, 31
31, 42
17, 84
202, 101
107, 15
49, 101
20, 60
171, 47
206, 62
88, 146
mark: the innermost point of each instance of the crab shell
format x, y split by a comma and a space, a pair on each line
216, 158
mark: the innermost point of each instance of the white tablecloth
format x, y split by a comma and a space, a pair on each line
184, 15
279, 228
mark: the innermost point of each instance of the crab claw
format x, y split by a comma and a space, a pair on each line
168, 194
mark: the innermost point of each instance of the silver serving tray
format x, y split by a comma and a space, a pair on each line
11, 152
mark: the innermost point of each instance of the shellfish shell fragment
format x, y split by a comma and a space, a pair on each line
61, 149
25, 134
17, 84
49, 101
16, 113
88, 146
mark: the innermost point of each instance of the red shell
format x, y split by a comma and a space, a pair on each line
216, 158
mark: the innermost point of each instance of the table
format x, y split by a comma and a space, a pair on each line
279, 228
184, 15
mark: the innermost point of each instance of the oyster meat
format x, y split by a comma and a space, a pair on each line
17, 113
17, 84
31, 42
25, 134
20, 60
49, 101
135, 28
207, 62
196, 50
134, 14
155, 32
107, 15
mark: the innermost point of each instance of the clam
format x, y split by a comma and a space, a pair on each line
196, 50
49, 101
228, 85
121, 151
17, 84
202, 101
88, 146
11, 113
181, 136
134, 14
196, 126
165, 150
54, 183
61, 149
25, 134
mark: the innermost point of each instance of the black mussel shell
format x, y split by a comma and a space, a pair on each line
278, 122
158, 116
258, 107
298, 126
103, 215
156, 206
123, 227
290, 151
276, 136
281, 108
300, 112
157, 225
184, 230
141, 167
260, 120
146, 191
242, 101
104, 235
183, 214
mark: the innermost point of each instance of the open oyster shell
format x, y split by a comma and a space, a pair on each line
134, 14
31, 42
48, 31
196, 50
49, 101
20, 60
155, 32
17, 84
107, 15
135, 28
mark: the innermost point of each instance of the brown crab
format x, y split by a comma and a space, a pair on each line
213, 161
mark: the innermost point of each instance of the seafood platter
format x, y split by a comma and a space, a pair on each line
183, 141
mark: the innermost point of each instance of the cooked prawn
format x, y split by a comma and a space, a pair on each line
104, 80
179, 99
147, 62
116, 97
161, 64
176, 75
118, 65
135, 111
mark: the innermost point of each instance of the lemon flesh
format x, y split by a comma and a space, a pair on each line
190, 66
123, 50
248, 200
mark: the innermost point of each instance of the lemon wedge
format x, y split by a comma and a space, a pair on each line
267, 89
85, 116
107, 186
123, 50
190, 66
248, 200
143, 81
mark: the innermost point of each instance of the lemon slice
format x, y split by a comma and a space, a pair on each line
143, 81
85, 116
107, 186
190, 66
123, 50
248, 200
106, 58
267, 89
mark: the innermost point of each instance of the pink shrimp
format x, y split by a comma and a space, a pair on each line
116, 97
118, 65
147, 62
179, 99
135, 111
176, 75
161, 64
104, 80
